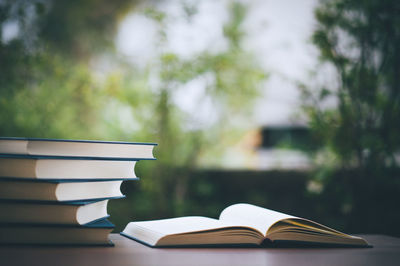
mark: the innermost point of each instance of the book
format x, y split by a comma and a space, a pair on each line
239, 224
28, 212
65, 169
95, 233
58, 190
45, 148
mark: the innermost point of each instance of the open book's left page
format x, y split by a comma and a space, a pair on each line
192, 230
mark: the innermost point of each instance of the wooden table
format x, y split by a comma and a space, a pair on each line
386, 251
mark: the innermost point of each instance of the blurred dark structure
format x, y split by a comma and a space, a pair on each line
209, 192
294, 137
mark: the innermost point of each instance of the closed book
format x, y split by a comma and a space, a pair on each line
59, 190
28, 212
45, 148
32, 168
95, 233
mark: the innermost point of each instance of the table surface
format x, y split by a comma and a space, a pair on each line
386, 251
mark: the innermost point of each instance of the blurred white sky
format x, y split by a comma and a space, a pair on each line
278, 33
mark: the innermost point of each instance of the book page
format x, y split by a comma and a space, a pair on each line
181, 225
192, 230
249, 215
13, 146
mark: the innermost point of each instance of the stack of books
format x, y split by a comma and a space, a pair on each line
56, 191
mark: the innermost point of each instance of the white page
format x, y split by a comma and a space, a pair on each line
182, 225
249, 215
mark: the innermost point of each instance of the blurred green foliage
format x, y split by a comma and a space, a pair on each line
47, 88
360, 39
235, 83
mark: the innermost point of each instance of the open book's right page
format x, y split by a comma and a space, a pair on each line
293, 228
249, 215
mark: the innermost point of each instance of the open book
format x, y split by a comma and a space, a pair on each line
238, 224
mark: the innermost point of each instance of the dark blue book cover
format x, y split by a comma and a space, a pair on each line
75, 203
27, 156
63, 180
100, 223
72, 202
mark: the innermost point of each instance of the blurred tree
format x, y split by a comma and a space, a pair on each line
234, 85
46, 85
50, 86
361, 39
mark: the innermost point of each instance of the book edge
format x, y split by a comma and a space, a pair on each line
191, 245
66, 180
72, 202
77, 245
102, 223
60, 157
79, 141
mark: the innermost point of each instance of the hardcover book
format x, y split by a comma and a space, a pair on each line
59, 191
45, 148
65, 169
28, 212
239, 224
95, 233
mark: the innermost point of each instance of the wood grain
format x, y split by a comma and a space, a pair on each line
386, 251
